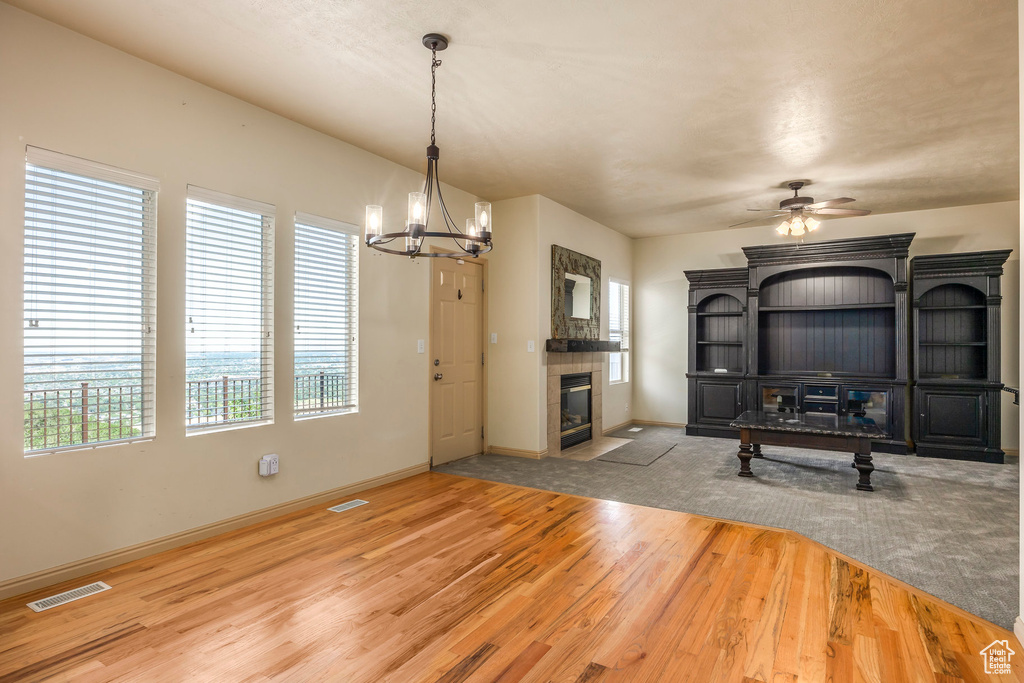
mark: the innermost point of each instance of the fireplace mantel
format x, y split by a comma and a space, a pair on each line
581, 346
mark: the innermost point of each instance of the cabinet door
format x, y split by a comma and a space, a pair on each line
719, 401
870, 402
951, 415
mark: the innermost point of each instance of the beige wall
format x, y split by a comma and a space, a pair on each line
660, 296
512, 293
67, 93
520, 311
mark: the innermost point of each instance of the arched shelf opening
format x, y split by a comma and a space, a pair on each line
952, 329
720, 330
833, 321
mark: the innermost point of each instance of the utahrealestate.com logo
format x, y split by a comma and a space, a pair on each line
997, 657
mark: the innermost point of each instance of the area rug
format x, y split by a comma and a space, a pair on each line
640, 452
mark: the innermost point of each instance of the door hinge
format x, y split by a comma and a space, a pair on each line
481, 432
481, 359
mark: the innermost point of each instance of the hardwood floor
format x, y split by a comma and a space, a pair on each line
447, 579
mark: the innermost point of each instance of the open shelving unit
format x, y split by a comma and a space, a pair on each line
956, 355
717, 352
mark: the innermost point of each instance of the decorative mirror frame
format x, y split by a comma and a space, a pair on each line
568, 261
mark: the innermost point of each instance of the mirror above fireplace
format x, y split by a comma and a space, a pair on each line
575, 295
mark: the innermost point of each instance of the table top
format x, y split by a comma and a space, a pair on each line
809, 423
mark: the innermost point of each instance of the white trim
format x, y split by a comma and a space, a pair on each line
64, 162
328, 223
1018, 629
231, 201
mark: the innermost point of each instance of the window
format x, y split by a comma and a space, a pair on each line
326, 316
618, 330
90, 309
229, 311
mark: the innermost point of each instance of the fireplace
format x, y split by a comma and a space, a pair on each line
575, 419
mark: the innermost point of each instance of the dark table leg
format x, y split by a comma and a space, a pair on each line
757, 451
745, 454
864, 466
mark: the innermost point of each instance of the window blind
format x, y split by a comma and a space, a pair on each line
90, 305
618, 330
326, 316
229, 311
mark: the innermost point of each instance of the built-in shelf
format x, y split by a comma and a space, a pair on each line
726, 314
951, 308
975, 343
723, 343
837, 307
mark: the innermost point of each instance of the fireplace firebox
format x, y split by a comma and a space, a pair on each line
576, 408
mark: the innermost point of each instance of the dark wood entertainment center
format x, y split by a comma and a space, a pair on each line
826, 327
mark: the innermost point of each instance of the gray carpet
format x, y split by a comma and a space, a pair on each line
947, 527
641, 452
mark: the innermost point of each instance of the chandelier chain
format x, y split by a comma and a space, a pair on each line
434, 63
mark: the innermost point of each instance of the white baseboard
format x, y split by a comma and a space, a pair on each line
73, 570
616, 428
517, 452
653, 423
1018, 629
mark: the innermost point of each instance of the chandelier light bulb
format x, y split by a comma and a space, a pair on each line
417, 202
811, 224
483, 218
374, 220
783, 229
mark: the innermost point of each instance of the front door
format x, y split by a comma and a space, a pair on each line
456, 368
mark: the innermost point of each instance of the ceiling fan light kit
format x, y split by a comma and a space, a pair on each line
798, 212
474, 241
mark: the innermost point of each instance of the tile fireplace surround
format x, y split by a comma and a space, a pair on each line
567, 364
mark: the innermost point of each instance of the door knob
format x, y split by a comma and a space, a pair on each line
437, 376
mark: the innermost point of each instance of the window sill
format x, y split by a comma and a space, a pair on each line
88, 446
327, 413
196, 431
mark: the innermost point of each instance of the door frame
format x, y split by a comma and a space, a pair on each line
482, 262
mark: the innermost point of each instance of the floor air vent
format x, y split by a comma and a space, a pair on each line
348, 506
68, 596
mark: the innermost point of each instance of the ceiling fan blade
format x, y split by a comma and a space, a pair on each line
830, 202
842, 212
775, 210
759, 218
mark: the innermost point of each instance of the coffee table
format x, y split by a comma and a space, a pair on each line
845, 433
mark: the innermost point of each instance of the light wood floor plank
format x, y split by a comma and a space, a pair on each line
441, 578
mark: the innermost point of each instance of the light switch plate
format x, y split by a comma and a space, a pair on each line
494, 337
529, 346
421, 346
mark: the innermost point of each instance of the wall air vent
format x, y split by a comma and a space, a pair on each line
68, 596
348, 506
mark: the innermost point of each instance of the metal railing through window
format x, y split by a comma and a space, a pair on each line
223, 400
58, 418
321, 392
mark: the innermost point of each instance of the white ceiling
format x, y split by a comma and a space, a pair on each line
650, 116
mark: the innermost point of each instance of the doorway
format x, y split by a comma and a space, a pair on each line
456, 360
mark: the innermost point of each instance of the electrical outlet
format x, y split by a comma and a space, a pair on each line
530, 347
269, 465
421, 346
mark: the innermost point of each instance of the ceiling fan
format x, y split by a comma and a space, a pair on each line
798, 212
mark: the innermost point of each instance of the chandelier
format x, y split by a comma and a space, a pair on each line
474, 241
797, 225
